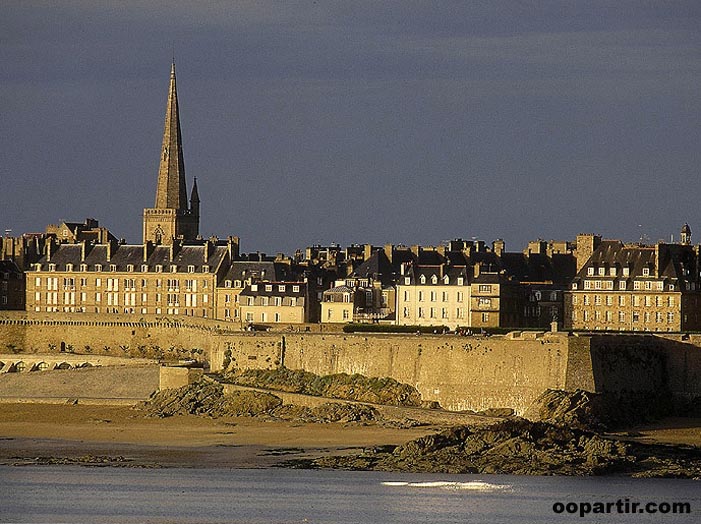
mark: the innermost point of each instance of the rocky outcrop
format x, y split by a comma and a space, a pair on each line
519, 446
357, 388
597, 411
207, 398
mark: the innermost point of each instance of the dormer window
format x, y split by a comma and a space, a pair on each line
83, 267
113, 267
612, 271
173, 268
646, 271
190, 269
626, 271
254, 287
671, 287
205, 269
461, 281
590, 271
159, 268
295, 289
423, 279
227, 283
144, 268
281, 288
37, 267
602, 271
237, 283
69, 267
407, 281
52, 267
574, 286
98, 267
268, 287
434, 279
130, 268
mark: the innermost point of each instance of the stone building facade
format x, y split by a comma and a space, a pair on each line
633, 287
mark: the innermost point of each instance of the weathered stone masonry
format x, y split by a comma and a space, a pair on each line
459, 372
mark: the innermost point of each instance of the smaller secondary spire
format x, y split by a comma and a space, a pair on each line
194, 196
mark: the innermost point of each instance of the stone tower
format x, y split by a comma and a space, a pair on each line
171, 217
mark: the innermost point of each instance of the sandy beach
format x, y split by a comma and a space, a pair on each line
28, 431
124, 436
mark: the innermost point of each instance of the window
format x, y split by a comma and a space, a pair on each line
587, 284
670, 317
205, 269
254, 287
461, 281
434, 279
83, 267
590, 271
281, 288
646, 271
268, 287
602, 271
113, 267
609, 300
621, 301
626, 271
575, 299
485, 288
144, 268
622, 285
621, 316
433, 296
670, 301
421, 296
597, 300
423, 279
407, 281
130, 268
612, 271
484, 302
159, 268
574, 286
485, 317
295, 289
190, 269
586, 300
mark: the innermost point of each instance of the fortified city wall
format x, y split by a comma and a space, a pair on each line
458, 372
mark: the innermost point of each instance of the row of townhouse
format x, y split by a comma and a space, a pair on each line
206, 280
590, 284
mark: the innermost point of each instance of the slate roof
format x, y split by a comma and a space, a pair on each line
672, 261
124, 255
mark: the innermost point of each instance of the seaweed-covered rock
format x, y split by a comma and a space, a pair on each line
208, 398
341, 386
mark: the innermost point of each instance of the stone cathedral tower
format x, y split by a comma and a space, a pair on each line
171, 217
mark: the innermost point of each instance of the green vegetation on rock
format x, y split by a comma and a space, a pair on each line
341, 386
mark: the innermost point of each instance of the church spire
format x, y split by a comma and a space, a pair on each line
171, 192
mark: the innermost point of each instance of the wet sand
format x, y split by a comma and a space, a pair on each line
117, 435
28, 431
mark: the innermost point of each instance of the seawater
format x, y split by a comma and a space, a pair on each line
72, 494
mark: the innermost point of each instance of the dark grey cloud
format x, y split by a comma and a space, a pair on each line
373, 121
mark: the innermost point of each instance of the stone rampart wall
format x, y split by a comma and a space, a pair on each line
458, 372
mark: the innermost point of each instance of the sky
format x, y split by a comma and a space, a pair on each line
319, 122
